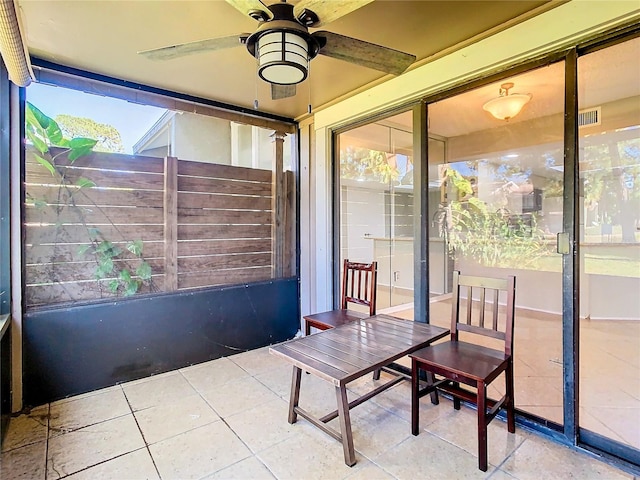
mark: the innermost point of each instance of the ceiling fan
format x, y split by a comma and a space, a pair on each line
283, 45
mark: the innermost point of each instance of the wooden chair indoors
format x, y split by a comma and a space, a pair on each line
458, 361
359, 282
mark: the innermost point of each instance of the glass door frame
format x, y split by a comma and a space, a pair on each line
569, 433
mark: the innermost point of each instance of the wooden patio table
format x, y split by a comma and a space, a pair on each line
346, 353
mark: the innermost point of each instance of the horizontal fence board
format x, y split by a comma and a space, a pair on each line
200, 169
231, 202
96, 196
61, 253
103, 160
95, 215
102, 178
79, 234
206, 232
228, 187
79, 271
223, 217
211, 247
221, 262
223, 277
36, 295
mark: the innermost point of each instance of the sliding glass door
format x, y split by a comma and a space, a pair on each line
609, 119
496, 200
376, 205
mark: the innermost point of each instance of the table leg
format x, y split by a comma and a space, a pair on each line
345, 426
295, 394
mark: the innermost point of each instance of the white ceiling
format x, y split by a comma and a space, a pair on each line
104, 37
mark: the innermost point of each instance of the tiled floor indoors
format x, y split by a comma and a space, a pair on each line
228, 419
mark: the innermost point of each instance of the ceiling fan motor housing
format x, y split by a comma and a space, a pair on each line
283, 47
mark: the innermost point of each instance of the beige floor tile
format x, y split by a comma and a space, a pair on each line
89, 394
27, 428
428, 456
311, 454
278, 380
257, 361
237, 396
135, 466
249, 468
461, 429
88, 446
375, 429
207, 375
370, 471
539, 459
157, 390
24, 463
72, 414
172, 418
198, 453
501, 475
263, 426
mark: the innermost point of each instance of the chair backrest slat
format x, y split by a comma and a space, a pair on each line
487, 291
496, 305
359, 282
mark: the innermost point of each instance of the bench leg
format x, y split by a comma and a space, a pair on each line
295, 394
415, 406
345, 426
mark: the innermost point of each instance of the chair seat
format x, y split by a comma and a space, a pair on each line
468, 360
333, 318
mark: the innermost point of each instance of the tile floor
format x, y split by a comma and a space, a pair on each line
227, 419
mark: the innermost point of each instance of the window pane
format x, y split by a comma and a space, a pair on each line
609, 95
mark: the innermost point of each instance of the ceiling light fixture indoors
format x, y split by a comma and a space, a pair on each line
506, 106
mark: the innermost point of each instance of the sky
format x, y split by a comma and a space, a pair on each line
130, 119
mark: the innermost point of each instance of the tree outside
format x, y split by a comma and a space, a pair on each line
107, 137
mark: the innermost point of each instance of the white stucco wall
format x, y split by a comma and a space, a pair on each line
563, 26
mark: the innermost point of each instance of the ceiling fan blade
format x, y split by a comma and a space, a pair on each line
282, 91
363, 53
211, 44
247, 6
328, 11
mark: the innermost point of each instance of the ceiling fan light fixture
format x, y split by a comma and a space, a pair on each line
506, 106
283, 57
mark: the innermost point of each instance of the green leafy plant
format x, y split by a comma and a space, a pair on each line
491, 238
48, 139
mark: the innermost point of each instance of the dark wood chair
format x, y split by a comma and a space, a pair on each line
359, 282
473, 364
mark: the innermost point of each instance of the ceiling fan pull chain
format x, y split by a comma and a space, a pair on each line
255, 102
309, 90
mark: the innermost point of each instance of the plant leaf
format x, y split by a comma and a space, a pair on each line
85, 183
40, 144
144, 271
131, 288
125, 276
46, 164
135, 247
81, 142
82, 249
34, 115
54, 133
113, 286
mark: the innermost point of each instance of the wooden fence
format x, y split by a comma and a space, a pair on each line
200, 224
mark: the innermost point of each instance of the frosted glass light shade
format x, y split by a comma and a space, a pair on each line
507, 106
283, 58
